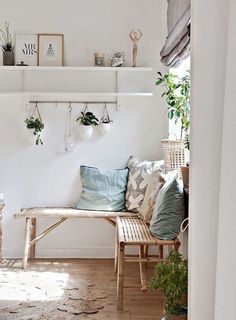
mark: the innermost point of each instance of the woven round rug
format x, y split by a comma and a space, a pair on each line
34, 295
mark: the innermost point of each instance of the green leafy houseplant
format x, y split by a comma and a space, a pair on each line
177, 95
6, 39
37, 125
88, 119
171, 277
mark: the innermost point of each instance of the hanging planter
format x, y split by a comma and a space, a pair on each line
69, 143
35, 126
87, 121
105, 122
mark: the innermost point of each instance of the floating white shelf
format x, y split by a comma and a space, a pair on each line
28, 72
82, 94
75, 68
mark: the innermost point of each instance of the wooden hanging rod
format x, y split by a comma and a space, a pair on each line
68, 101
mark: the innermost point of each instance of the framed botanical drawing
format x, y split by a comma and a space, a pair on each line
26, 48
50, 49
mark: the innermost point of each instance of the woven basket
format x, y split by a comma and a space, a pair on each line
175, 155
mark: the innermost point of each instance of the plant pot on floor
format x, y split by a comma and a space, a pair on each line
85, 132
8, 58
185, 175
172, 317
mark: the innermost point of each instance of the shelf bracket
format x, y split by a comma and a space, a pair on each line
26, 82
118, 89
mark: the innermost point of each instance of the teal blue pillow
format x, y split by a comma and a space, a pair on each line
169, 211
102, 190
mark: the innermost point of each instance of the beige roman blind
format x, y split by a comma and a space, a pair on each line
177, 45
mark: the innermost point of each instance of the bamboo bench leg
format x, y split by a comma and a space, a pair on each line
32, 236
146, 253
120, 277
116, 251
142, 266
27, 241
161, 252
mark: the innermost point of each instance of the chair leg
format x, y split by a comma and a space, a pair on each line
142, 267
146, 253
120, 277
116, 252
27, 240
161, 255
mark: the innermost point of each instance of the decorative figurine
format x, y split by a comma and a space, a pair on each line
118, 59
135, 36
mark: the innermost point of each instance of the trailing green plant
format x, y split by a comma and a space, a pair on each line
177, 95
6, 38
171, 277
37, 125
88, 119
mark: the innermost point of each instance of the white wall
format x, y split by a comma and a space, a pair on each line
212, 199
225, 307
47, 176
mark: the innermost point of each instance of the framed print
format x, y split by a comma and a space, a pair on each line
50, 49
26, 48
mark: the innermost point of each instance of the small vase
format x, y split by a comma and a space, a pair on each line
105, 127
8, 58
85, 132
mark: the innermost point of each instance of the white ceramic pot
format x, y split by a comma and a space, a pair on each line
105, 127
32, 137
85, 132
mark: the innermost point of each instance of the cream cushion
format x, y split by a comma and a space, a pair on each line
155, 183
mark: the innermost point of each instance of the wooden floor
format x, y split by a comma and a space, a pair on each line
137, 305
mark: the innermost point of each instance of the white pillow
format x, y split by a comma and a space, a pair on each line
155, 184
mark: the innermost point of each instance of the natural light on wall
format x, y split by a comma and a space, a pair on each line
175, 129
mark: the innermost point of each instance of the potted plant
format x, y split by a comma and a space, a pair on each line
177, 96
105, 122
36, 126
87, 121
171, 277
7, 46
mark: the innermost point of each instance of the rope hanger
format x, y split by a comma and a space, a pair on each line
36, 109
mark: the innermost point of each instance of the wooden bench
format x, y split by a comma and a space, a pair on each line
31, 214
135, 232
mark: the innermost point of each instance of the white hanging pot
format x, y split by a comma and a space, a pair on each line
32, 137
105, 127
85, 132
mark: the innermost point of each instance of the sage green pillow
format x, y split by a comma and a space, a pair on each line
102, 190
169, 211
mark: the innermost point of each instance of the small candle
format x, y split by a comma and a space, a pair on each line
99, 59
1, 198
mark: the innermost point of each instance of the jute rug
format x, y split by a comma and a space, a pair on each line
45, 296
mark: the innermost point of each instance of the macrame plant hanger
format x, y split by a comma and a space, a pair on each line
86, 108
105, 115
68, 140
36, 110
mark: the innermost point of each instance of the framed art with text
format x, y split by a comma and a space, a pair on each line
50, 49
26, 48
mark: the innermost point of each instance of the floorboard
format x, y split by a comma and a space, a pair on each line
137, 305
